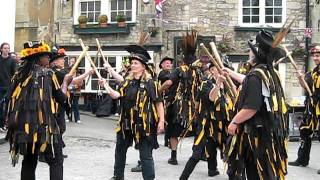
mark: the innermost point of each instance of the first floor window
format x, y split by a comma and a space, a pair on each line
112, 8
123, 7
262, 12
91, 9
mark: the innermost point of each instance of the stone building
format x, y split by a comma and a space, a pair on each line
230, 23
34, 21
315, 22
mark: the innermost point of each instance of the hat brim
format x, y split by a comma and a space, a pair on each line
139, 59
164, 59
33, 56
54, 57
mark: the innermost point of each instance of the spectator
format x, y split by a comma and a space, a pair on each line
7, 70
75, 91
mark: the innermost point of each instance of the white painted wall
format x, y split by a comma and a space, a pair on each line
8, 20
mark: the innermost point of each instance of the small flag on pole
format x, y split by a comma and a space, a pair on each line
308, 32
158, 6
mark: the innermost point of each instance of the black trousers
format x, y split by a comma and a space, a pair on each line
198, 153
304, 150
245, 167
30, 161
145, 150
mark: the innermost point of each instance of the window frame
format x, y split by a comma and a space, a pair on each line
104, 9
262, 15
117, 54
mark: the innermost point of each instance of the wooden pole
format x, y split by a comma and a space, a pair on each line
220, 63
103, 57
228, 86
297, 70
78, 61
94, 66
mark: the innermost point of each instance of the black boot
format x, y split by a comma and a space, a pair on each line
191, 164
319, 171
173, 159
298, 163
212, 173
303, 153
117, 178
138, 168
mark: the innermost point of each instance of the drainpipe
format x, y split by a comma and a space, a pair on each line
307, 39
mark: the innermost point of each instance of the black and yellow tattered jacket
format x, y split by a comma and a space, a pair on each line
187, 83
265, 138
311, 120
214, 117
32, 112
139, 118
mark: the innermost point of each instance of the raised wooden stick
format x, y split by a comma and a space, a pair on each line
228, 86
297, 70
78, 61
220, 63
100, 51
103, 57
94, 66
280, 60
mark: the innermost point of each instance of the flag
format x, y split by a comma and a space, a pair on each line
158, 6
308, 32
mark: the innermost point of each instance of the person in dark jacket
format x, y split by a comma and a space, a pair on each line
7, 70
33, 129
142, 116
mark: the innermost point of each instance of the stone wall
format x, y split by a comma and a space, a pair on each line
34, 21
222, 16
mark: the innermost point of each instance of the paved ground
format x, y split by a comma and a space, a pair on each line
90, 147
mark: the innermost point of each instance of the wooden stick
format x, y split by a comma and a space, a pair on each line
100, 51
297, 70
233, 94
217, 56
94, 66
280, 60
103, 57
78, 61
94, 61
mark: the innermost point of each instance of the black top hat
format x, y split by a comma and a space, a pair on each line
57, 53
164, 59
264, 40
261, 47
138, 53
32, 49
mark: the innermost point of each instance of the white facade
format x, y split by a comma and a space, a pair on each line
8, 19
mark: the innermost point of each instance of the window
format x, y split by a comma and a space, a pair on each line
93, 8
262, 13
115, 59
121, 7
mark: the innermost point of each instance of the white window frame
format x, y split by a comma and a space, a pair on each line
87, 9
133, 11
262, 15
104, 9
117, 54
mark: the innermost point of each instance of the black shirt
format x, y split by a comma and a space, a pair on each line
251, 98
61, 73
163, 76
7, 70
